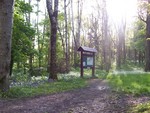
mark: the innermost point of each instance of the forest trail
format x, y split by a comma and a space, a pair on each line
97, 97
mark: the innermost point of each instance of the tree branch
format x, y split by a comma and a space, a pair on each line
68, 3
141, 17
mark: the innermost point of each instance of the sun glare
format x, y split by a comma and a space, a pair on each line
119, 9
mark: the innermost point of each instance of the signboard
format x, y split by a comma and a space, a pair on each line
90, 61
87, 61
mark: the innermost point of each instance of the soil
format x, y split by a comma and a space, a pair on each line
97, 97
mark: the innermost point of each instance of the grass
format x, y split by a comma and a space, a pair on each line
132, 83
66, 82
136, 84
47, 88
141, 108
129, 66
130, 79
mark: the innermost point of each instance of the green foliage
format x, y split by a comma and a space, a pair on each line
39, 72
47, 88
102, 74
19, 77
139, 36
22, 32
134, 83
22, 7
61, 17
141, 108
21, 43
130, 66
75, 69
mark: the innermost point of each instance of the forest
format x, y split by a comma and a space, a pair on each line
39, 42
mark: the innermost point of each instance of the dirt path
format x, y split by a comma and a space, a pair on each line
96, 98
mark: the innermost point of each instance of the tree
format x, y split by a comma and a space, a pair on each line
121, 53
6, 22
66, 37
38, 35
106, 40
31, 39
147, 43
138, 41
53, 13
22, 30
77, 42
74, 42
144, 8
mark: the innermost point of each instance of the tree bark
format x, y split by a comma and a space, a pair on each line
147, 42
6, 22
66, 37
31, 53
124, 42
38, 35
53, 19
77, 39
135, 56
119, 51
74, 37
106, 49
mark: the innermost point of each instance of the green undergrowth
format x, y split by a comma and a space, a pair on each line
137, 84
101, 74
141, 108
130, 66
46, 88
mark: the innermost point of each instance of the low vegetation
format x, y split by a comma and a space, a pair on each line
131, 79
135, 83
65, 83
141, 108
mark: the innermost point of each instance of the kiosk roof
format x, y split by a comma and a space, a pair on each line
87, 49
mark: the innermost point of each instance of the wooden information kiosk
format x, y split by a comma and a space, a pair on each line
87, 59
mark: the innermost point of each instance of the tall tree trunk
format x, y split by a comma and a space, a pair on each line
69, 43
66, 37
11, 64
105, 38
79, 23
135, 56
62, 40
53, 19
139, 57
123, 40
43, 38
6, 22
38, 35
147, 42
74, 37
77, 40
31, 53
119, 51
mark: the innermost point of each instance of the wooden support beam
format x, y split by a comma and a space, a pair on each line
81, 64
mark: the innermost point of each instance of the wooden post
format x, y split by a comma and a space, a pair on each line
93, 68
81, 65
